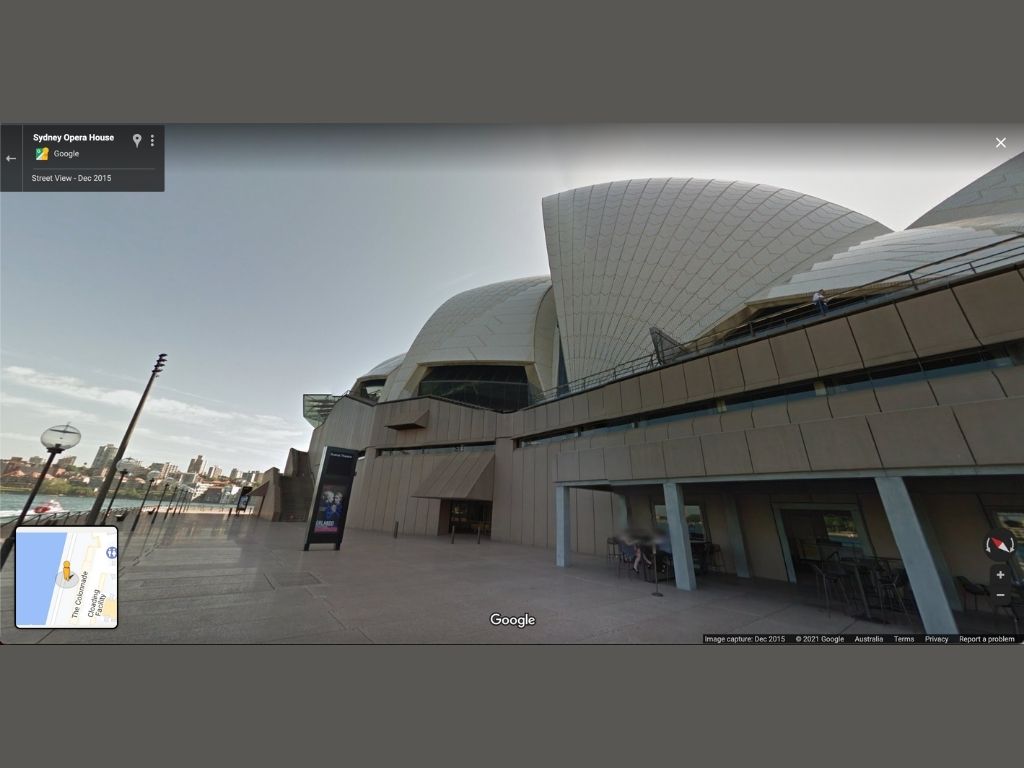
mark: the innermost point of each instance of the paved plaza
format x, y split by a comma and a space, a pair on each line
209, 579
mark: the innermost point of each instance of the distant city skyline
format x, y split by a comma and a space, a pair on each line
258, 270
93, 465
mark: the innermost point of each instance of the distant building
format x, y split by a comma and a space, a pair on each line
104, 458
196, 465
235, 475
229, 494
68, 462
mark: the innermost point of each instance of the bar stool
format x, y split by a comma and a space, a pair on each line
611, 549
716, 562
828, 579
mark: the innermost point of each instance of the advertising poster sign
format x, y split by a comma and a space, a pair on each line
243, 499
331, 496
332, 502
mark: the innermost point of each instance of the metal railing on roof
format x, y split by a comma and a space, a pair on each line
908, 281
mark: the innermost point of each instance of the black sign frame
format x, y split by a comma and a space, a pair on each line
336, 476
244, 496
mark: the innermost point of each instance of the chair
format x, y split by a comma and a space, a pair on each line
827, 580
890, 586
611, 549
968, 587
627, 554
716, 562
699, 551
662, 564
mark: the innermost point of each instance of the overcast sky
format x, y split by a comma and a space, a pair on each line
283, 260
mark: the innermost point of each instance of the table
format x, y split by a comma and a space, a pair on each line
856, 565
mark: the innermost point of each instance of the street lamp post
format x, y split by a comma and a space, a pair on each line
155, 512
153, 477
56, 440
174, 497
123, 468
186, 500
97, 505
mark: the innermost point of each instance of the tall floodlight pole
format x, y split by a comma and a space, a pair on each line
55, 440
97, 505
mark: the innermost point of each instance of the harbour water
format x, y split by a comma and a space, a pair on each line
11, 503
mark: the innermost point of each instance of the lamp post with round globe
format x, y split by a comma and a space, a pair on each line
170, 483
186, 496
124, 467
153, 477
55, 440
177, 486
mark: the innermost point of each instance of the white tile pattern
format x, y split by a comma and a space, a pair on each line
884, 258
1001, 190
494, 324
676, 253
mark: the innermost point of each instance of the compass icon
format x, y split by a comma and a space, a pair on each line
1000, 545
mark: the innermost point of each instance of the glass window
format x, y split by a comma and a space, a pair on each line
840, 528
694, 520
497, 387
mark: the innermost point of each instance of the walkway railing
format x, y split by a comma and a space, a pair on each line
879, 291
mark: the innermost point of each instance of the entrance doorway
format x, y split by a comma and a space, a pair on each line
464, 516
812, 533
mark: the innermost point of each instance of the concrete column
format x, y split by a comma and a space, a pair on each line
787, 556
620, 512
948, 584
562, 527
739, 548
917, 556
679, 535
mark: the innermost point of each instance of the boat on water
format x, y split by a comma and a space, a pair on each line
51, 507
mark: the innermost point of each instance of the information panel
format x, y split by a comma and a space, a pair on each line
329, 507
81, 158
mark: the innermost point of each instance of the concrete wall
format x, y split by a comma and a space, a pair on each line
985, 311
524, 511
967, 420
446, 423
348, 426
383, 494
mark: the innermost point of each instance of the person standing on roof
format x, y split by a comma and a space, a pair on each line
820, 301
